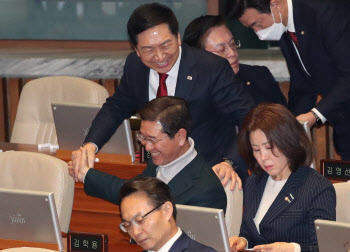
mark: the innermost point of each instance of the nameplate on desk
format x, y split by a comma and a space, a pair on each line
145, 155
79, 241
335, 169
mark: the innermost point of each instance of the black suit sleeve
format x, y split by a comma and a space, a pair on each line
117, 108
302, 94
334, 29
229, 96
103, 185
234, 102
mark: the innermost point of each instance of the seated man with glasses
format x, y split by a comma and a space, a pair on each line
165, 124
211, 34
148, 213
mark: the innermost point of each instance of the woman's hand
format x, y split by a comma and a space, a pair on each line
237, 243
276, 247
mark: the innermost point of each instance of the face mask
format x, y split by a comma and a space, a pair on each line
274, 32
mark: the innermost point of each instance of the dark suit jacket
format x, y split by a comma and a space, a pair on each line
260, 84
323, 32
185, 243
311, 196
196, 185
216, 99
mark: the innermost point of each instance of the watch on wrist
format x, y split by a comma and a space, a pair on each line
318, 119
231, 163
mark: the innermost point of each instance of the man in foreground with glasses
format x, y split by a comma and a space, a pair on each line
162, 66
174, 159
148, 214
211, 34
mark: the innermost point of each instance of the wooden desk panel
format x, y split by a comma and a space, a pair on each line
83, 202
117, 238
5, 244
91, 214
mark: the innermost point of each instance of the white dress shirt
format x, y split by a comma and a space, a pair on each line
170, 243
170, 81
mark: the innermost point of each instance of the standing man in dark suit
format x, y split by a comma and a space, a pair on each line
161, 66
314, 36
148, 214
211, 34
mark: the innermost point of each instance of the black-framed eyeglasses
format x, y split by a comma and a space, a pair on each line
151, 141
234, 45
138, 220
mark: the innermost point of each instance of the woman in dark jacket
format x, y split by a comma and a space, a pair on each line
283, 196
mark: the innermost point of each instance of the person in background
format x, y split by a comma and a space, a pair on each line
314, 37
283, 196
148, 214
211, 34
162, 66
165, 122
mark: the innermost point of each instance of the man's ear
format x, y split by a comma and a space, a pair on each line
275, 4
280, 6
179, 38
181, 136
137, 52
168, 209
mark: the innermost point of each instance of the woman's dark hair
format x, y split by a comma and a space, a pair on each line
282, 130
196, 32
148, 16
156, 190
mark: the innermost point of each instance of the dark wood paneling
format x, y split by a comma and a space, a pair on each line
3, 119
102, 45
110, 85
13, 86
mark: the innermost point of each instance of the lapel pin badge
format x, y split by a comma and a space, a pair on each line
189, 77
287, 199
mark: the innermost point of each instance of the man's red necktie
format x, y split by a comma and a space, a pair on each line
162, 90
293, 36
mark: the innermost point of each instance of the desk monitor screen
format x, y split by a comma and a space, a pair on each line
73, 121
29, 216
204, 225
333, 236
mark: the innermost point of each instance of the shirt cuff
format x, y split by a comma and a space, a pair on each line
323, 119
296, 247
246, 247
93, 144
